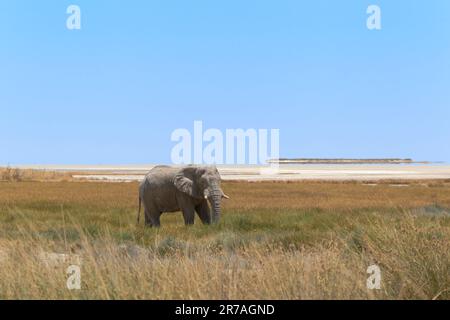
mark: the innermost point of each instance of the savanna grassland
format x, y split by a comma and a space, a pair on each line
276, 240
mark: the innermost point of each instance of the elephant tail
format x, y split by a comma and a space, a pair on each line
139, 211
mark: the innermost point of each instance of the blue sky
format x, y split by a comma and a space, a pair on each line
114, 91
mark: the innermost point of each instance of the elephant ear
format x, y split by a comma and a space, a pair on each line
183, 181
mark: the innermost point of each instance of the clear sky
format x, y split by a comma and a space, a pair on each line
114, 91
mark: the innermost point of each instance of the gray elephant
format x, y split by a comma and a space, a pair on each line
170, 189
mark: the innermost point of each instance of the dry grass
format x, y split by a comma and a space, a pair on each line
17, 175
301, 240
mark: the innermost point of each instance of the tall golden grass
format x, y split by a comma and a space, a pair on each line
302, 240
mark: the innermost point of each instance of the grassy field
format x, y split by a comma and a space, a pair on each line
299, 240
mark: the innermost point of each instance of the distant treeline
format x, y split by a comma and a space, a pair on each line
340, 160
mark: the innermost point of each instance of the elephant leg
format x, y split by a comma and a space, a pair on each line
147, 217
188, 215
204, 212
152, 217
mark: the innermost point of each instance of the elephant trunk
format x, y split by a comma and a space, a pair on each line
215, 198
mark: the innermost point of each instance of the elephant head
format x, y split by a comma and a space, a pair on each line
202, 183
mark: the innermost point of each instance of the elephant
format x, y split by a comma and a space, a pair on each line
187, 189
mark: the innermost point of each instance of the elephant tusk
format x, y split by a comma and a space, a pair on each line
225, 196
206, 197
